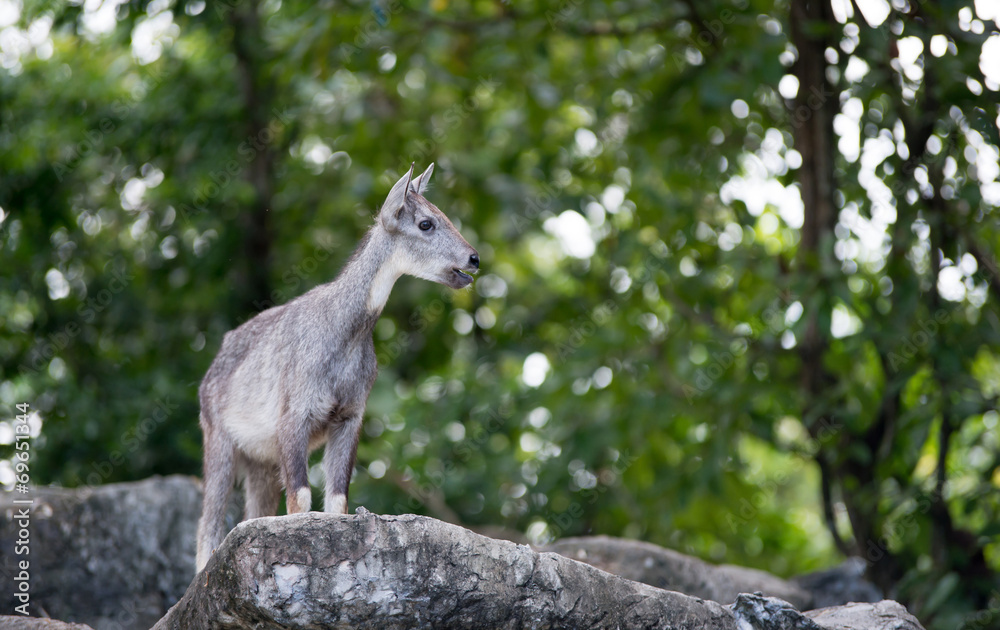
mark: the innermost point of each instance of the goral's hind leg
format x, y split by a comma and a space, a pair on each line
262, 487
218, 473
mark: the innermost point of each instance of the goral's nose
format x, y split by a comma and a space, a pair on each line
474, 260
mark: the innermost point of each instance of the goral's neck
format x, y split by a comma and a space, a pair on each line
370, 273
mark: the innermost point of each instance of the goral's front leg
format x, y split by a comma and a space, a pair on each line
338, 462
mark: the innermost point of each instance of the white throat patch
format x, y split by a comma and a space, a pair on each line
384, 280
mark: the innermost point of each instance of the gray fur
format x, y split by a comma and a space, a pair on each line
298, 375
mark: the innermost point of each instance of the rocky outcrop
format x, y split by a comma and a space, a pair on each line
32, 623
114, 556
119, 556
368, 571
667, 569
884, 615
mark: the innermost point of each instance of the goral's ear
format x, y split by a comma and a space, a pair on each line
420, 184
393, 207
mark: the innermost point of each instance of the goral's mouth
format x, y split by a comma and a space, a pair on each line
461, 274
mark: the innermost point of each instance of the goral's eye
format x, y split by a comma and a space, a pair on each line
425, 225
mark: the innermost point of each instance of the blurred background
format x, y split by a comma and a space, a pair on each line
739, 284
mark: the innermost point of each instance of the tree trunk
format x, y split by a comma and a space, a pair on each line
816, 104
254, 272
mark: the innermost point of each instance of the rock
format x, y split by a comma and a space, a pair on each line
883, 615
674, 571
34, 623
119, 556
770, 613
840, 585
367, 571
113, 556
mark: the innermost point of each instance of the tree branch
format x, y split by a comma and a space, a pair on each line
825, 480
557, 21
432, 498
985, 261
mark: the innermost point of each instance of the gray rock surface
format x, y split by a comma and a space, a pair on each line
366, 571
674, 571
883, 615
119, 556
770, 613
114, 556
33, 623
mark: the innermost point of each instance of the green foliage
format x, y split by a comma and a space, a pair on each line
154, 195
